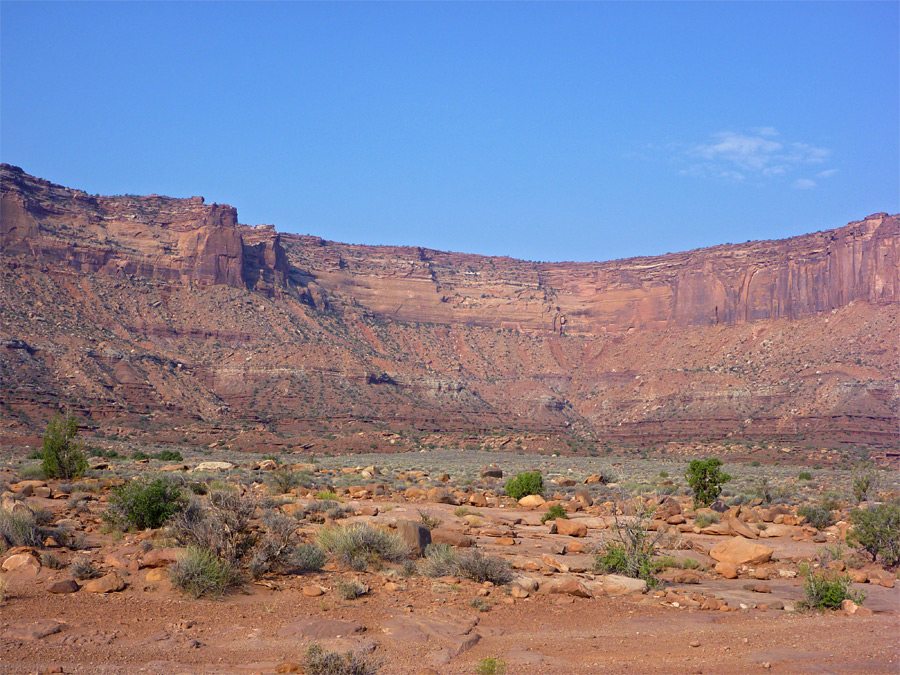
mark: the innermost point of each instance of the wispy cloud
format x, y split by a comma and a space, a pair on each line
759, 153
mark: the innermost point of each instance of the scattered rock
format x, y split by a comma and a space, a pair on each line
110, 583
67, 585
741, 551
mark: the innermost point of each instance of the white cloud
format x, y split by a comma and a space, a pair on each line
760, 153
828, 173
804, 184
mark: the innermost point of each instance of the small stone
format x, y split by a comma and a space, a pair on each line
313, 591
111, 583
67, 585
695, 643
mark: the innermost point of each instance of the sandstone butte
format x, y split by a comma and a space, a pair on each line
169, 319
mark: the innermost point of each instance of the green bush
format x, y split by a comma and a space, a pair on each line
359, 545
527, 483
631, 552
62, 455
865, 481
827, 591
706, 480
490, 666
320, 662
144, 503
817, 516
805, 475
199, 572
554, 512
169, 456
283, 480
877, 532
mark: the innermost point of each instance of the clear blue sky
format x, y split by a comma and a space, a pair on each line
577, 131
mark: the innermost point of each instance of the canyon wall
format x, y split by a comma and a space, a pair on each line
162, 317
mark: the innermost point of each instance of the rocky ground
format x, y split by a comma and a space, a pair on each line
728, 600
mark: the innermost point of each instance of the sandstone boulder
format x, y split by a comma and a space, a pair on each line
571, 528
415, 535
741, 551
532, 501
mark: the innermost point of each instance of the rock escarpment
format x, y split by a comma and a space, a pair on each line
791, 279
169, 318
180, 240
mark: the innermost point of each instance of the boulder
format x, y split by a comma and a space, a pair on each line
741, 551
532, 501
160, 557
21, 561
727, 570
111, 583
570, 587
616, 584
415, 535
492, 472
67, 585
451, 537
570, 528
440, 495
214, 466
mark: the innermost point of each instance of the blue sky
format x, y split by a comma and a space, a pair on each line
545, 131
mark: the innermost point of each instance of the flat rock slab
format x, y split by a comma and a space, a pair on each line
451, 637
30, 632
320, 629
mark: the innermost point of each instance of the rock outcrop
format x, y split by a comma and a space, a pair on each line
170, 314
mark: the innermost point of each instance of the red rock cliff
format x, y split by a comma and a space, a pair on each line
152, 237
790, 278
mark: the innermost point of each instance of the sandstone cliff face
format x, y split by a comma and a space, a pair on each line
182, 240
792, 279
135, 310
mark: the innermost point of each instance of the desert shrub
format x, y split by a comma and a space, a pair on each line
199, 572
50, 561
32, 472
19, 528
440, 560
817, 516
308, 558
527, 483
706, 480
832, 500
327, 495
318, 511
478, 567
169, 456
490, 666
82, 568
804, 475
276, 550
877, 532
864, 480
480, 604
554, 512
359, 545
320, 662
62, 455
429, 521
139, 455
823, 590
350, 590
283, 480
144, 503
631, 550
462, 511
222, 525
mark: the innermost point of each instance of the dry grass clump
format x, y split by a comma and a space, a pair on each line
360, 545
199, 572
